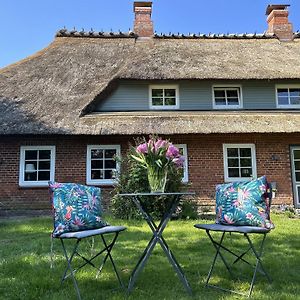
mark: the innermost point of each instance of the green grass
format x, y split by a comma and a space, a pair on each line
25, 263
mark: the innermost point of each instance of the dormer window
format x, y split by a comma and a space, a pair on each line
164, 97
227, 97
288, 96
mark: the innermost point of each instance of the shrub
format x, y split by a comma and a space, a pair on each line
133, 179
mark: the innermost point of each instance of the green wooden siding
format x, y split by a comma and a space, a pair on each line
193, 95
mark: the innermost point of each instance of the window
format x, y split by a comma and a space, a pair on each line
164, 97
239, 161
101, 164
183, 151
37, 165
227, 97
288, 96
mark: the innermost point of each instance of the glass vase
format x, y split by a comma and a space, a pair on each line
157, 180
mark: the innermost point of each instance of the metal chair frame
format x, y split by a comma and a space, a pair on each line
70, 271
218, 245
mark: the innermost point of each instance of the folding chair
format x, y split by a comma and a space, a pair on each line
106, 250
247, 232
78, 216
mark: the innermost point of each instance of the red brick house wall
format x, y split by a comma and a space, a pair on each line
205, 158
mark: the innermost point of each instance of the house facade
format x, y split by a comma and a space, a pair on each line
230, 102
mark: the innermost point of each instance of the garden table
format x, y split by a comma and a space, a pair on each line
157, 231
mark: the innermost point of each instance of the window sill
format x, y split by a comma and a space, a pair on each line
164, 108
227, 108
235, 179
107, 183
33, 185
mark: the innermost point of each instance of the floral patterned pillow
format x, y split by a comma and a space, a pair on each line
244, 203
76, 207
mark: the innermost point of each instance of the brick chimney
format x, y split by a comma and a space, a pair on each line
143, 26
278, 22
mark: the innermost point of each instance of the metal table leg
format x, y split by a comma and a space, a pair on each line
157, 237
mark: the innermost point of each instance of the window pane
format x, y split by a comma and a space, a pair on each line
220, 101
246, 172
110, 164
97, 174
232, 152
44, 165
30, 166
157, 101
32, 176
170, 101
246, 162
295, 100
219, 93
245, 152
97, 153
233, 101
297, 176
30, 154
297, 165
44, 175
170, 92
232, 93
295, 92
233, 162
282, 92
44, 154
296, 154
283, 100
110, 153
97, 164
108, 174
157, 92
233, 172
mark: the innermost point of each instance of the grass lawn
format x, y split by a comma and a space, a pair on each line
25, 263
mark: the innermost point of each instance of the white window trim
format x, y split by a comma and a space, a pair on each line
185, 177
43, 183
228, 86
253, 162
91, 181
164, 107
286, 86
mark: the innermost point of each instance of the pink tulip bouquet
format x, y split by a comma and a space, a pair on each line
157, 156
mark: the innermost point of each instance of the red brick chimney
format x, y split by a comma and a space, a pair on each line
143, 26
278, 22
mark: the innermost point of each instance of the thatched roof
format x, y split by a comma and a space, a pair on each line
52, 91
190, 122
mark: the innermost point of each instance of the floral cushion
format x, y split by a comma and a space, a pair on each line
244, 203
76, 207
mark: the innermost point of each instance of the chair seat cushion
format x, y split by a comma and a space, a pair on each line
92, 232
244, 203
229, 228
76, 207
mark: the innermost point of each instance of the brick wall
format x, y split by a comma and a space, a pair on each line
205, 164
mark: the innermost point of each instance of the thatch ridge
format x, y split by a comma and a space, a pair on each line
61, 83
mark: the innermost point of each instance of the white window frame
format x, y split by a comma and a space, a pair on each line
91, 181
185, 177
253, 162
164, 107
41, 183
286, 86
228, 87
